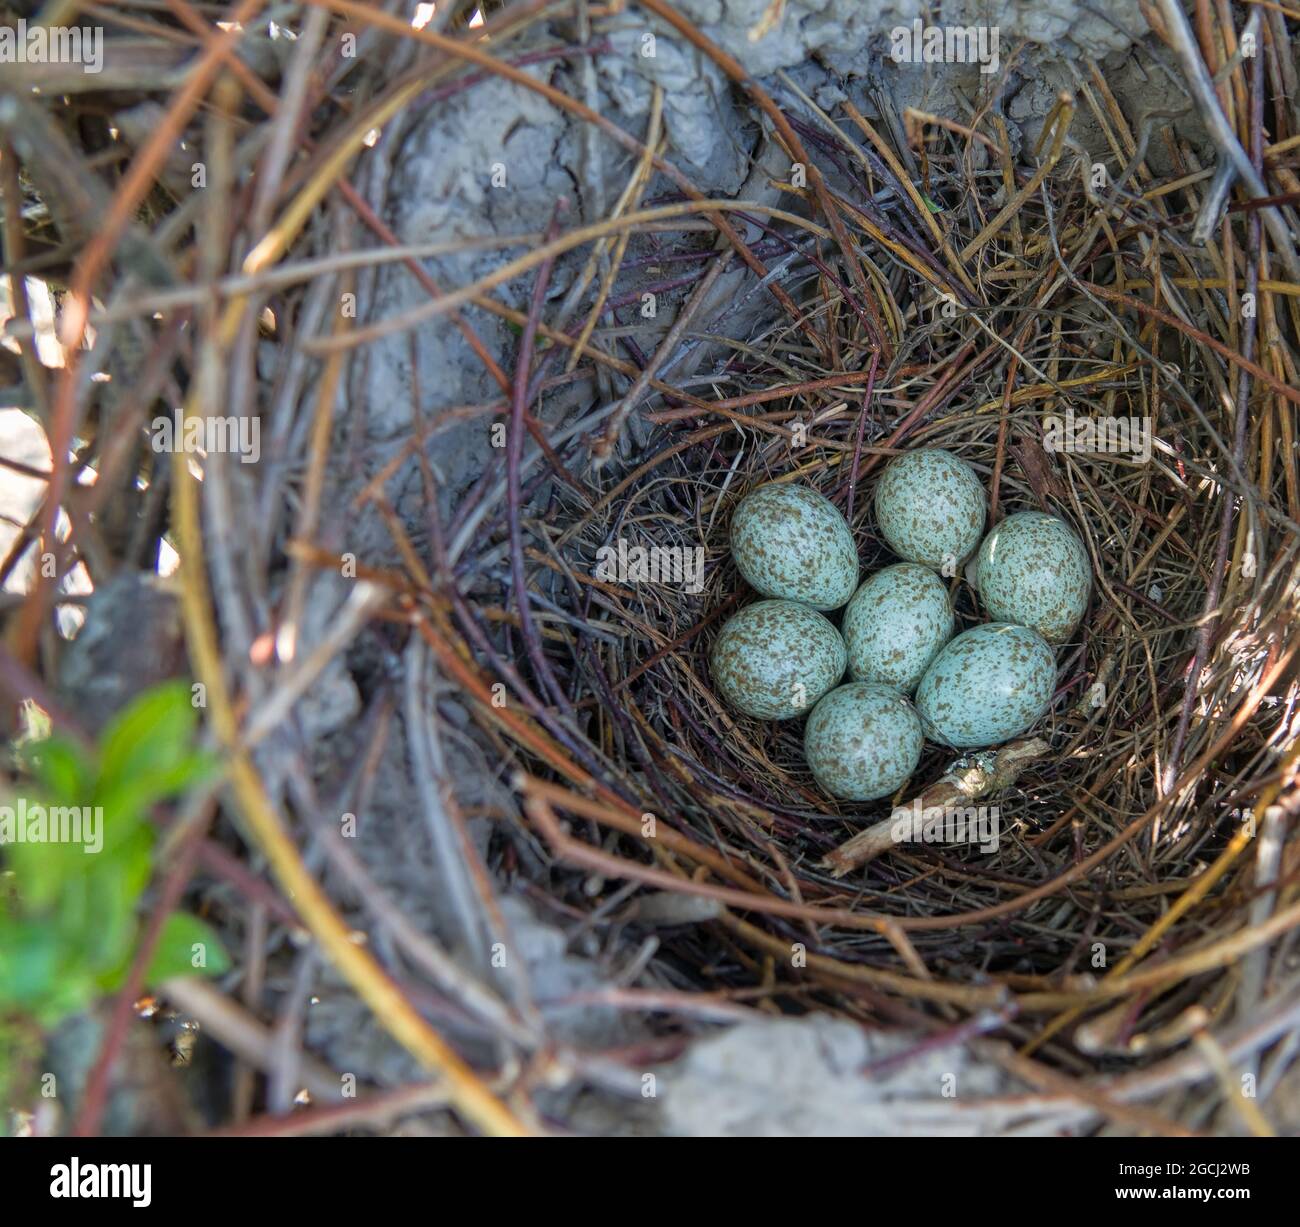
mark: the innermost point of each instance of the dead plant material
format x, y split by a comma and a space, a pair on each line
912, 284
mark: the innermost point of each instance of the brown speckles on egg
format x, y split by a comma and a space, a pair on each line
775, 659
1033, 569
991, 683
895, 625
862, 741
792, 543
930, 507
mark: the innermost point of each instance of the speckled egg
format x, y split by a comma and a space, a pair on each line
930, 508
1033, 570
792, 543
862, 741
895, 625
988, 685
775, 659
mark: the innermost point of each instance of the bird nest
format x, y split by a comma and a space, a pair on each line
897, 280
1123, 879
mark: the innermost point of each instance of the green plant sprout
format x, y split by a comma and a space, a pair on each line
76, 854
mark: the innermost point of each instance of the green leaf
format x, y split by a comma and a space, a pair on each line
185, 939
41, 869
29, 961
112, 893
61, 769
35, 975
151, 737
69, 922
126, 801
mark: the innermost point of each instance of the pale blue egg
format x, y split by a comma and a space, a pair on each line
895, 625
1033, 570
775, 659
991, 683
930, 508
862, 741
791, 543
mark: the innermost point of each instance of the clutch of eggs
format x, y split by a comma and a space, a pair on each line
780, 658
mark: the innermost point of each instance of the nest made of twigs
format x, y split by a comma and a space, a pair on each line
899, 280
1119, 893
